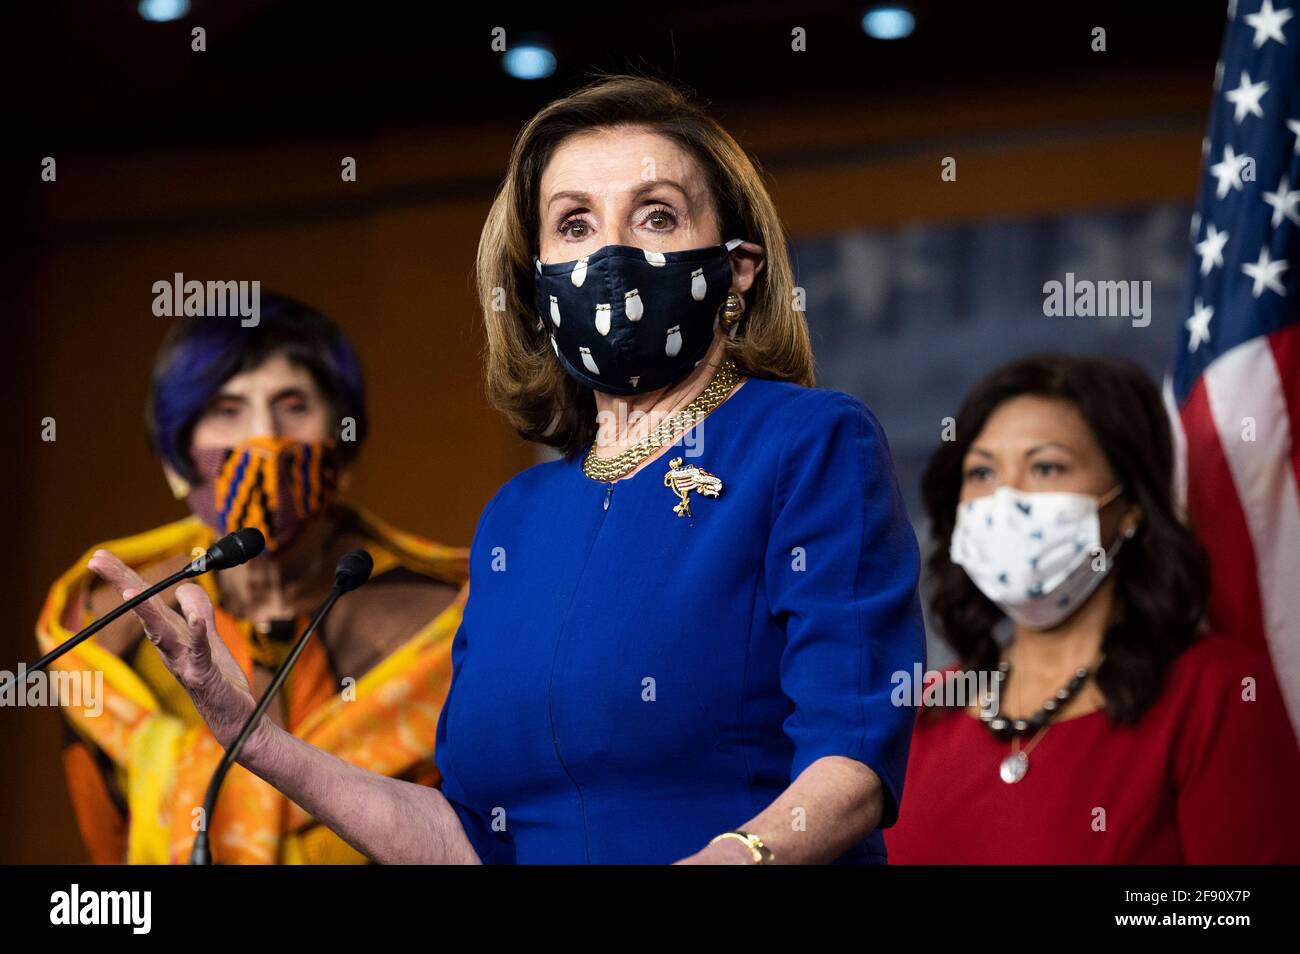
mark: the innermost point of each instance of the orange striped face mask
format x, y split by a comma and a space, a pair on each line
272, 483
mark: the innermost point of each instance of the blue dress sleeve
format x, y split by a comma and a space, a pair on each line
492, 847
842, 565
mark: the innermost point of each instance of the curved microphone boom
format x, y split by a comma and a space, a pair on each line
231, 550
352, 571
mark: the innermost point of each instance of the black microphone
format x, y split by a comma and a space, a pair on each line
352, 571
234, 549
231, 550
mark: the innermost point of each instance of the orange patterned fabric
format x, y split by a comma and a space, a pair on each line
103, 829
270, 483
167, 759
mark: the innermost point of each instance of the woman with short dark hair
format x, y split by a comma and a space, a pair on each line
257, 426
1118, 731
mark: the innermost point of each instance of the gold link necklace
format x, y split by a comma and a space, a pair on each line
612, 468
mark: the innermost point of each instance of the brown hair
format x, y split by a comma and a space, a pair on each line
525, 381
1162, 573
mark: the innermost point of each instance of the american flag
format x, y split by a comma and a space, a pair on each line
1235, 385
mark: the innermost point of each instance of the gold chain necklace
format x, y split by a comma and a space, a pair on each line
623, 463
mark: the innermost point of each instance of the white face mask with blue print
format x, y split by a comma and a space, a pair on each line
1038, 556
625, 320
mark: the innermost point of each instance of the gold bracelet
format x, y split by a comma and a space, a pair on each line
762, 854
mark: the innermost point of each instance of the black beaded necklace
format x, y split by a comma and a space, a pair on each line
1005, 728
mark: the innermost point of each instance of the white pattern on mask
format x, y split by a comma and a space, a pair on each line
1032, 553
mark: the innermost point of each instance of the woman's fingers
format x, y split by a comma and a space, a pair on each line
207, 649
196, 608
113, 571
190, 646
162, 625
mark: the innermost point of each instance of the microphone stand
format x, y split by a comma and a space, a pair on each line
231, 550
194, 569
201, 853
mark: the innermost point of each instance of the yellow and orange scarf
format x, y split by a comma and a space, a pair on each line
163, 754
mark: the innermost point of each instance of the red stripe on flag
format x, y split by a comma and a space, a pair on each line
1215, 513
1286, 352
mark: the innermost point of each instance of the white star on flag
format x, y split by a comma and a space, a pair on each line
1246, 98
1268, 24
1284, 202
1211, 249
1228, 171
1236, 331
1198, 326
1267, 273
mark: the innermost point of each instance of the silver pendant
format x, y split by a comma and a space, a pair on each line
1014, 767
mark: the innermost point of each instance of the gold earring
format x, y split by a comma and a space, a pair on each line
731, 310
180, 487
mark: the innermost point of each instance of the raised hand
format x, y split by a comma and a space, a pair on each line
190, 647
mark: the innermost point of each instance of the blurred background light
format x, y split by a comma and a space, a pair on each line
888, 23
160, 11
529, 62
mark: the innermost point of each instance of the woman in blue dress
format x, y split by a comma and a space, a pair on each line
682, 635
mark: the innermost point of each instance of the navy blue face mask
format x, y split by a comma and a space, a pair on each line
625, 320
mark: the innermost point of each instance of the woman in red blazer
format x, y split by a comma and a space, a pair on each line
1115, 729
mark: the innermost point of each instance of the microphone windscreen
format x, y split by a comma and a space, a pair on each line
234, 549
251, 540
353, 570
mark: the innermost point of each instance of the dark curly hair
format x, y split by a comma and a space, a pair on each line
1162, 575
